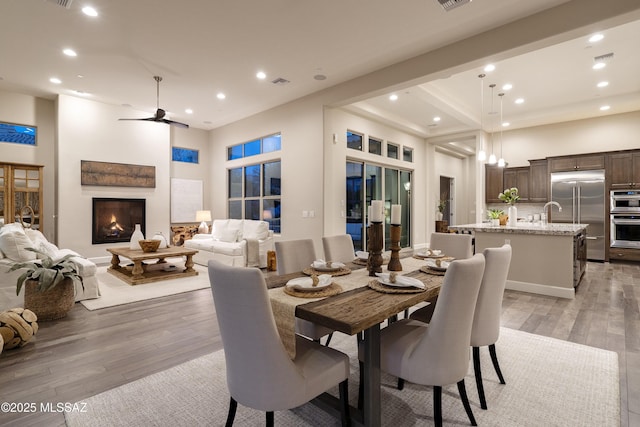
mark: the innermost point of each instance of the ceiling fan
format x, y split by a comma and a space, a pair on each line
160, 113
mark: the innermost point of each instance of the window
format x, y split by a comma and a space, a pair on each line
354, 141
268, 144
392, 151
407, 154
18, 134
184, 155
375, 146
254, 192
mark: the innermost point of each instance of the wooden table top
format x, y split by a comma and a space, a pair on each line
354, 311
138, 254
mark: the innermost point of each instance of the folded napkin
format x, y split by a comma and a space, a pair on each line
433, 263
362, 255
320, 263
401, 281
306, 283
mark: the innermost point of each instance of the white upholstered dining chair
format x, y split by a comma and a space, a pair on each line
294, 256
486, 319
436, 354
459, 246
339, 248
260, 373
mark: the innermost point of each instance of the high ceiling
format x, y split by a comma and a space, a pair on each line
203, 47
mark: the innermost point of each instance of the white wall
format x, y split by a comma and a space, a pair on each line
607, 133
90, 130
194, 139
32, 111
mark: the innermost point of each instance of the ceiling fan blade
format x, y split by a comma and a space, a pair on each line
148, 118
174, 123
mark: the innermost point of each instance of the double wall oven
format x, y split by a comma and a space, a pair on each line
625, 219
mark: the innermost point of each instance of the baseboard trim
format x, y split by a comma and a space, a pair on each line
536, 288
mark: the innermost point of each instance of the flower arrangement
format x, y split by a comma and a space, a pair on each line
509, 196
442, 203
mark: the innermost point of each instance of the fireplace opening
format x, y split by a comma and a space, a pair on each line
114, 220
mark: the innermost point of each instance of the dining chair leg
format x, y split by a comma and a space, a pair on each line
328, 339
437, 406
361, 387
344, 403
494, 359
478, 373
270, 419
465, 402
233, 405
400, 383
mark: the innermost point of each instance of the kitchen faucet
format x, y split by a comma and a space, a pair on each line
544, 208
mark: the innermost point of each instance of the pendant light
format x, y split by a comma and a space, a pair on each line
501, 162
482, 155
492, 157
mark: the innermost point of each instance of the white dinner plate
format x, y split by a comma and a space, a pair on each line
335, 266
401, 281
431, 263
305, 284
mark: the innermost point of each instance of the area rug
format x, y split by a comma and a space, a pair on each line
114, 291
549, 383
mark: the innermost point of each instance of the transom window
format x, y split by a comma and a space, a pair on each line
267, 144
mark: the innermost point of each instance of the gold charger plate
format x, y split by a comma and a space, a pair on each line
332, 289
377, 286
341, 272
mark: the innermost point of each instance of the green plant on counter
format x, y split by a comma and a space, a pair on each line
509, 196
495, 213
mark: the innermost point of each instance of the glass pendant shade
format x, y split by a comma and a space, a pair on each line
492, 159
501, 162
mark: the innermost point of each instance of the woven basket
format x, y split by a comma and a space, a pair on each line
52, 304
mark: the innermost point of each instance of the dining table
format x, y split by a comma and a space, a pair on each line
358, 306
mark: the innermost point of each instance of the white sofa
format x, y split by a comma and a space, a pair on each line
13, 243
234, 242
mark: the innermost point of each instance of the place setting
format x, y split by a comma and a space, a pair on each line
394, 283
331, 268
312, 286
437, 266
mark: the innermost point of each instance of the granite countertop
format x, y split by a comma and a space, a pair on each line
525, 228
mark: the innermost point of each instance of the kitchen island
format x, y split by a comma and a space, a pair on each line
547, 259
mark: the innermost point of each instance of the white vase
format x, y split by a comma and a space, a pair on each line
439, 216
163, 241
495, 222
135, 237
513, 216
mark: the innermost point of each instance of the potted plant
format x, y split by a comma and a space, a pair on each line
510, 196
442, 204
49, 285
494, 216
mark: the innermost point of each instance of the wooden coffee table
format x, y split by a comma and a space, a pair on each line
147, 273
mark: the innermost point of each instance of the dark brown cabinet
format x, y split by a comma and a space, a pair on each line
623, 170
538, 181
573, 163
519, 178
493, 184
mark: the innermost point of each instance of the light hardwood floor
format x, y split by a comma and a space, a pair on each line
90, 352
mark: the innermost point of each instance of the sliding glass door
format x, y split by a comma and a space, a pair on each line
367, 182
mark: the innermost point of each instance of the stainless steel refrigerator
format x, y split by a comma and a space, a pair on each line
582, 197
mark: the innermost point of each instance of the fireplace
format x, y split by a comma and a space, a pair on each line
115, 219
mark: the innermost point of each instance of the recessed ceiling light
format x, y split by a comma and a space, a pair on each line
599, 65
506, 124
221, 95
89, 11
69, 52
261, 75
80, 76
519, 101
507, 86
81, 93
393, 97
55, 80
188, 111
436, 119
320, 77
596, 38
489, 68
603, 84
605, 108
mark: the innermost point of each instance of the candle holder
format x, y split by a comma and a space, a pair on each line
394, 262
376, 244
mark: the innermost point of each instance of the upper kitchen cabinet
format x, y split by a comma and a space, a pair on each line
623, 169
519, 178
574, 163
493, 183
538, 181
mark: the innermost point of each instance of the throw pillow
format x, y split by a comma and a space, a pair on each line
256, 230
13, 243
41, 244
228, 235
